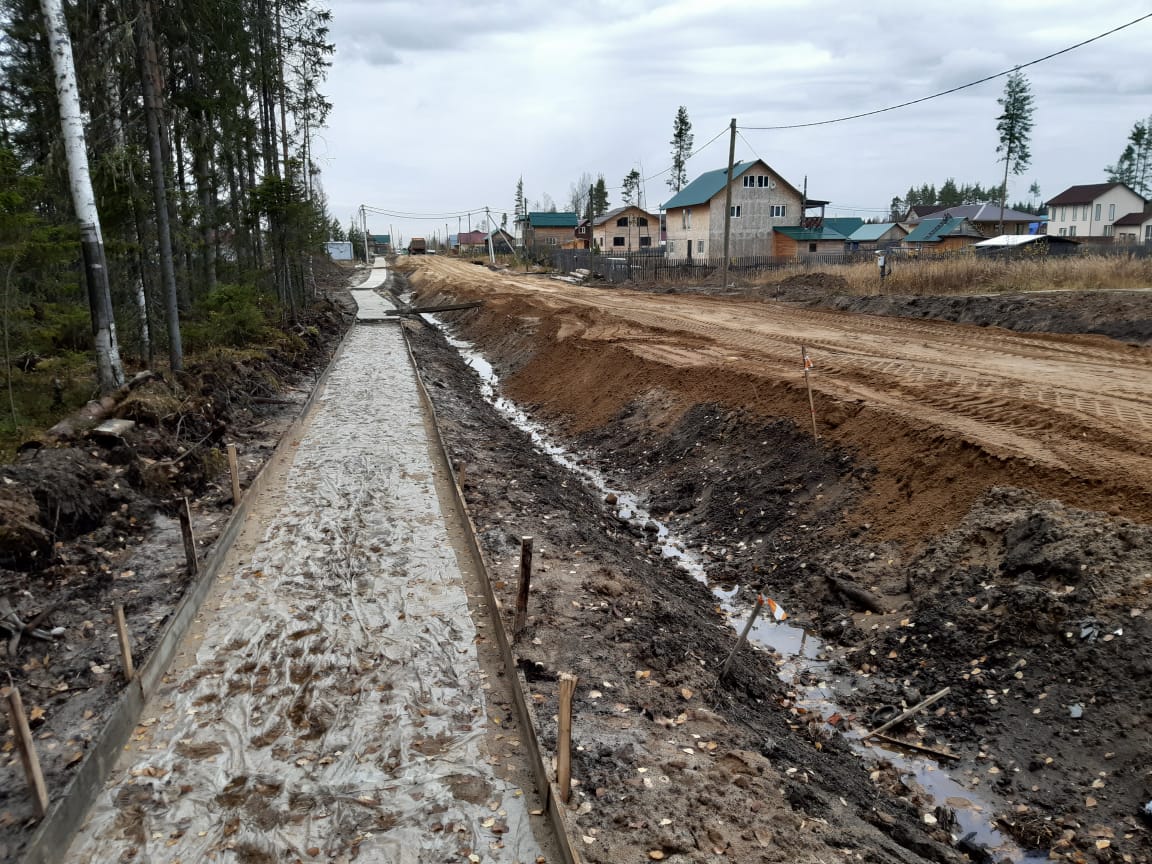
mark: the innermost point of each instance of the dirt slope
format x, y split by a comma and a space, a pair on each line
987, 487
944, 410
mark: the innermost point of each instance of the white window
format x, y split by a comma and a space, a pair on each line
1109, 230
764, 182
779, 211
1148, 233
1063, 215
1086, 217
671, 246
749, 182
735, 211
686, 218
551, 241
1111, 212
1063, 232
1097, 212
1072, 230
699, 247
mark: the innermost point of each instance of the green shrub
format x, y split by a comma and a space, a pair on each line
232, 315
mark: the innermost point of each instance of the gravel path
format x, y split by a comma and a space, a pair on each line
328, 705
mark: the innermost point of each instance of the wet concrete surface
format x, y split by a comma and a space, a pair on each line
328, 703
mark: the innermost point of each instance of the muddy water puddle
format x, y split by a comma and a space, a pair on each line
802, 658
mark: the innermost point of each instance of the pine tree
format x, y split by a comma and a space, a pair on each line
630, 187
681, 149
1134, 167
1015, 127
599, 197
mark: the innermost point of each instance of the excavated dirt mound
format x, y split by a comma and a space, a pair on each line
1002, 572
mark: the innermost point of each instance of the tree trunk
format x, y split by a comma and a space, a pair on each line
159, 190
109, 371
1004, 188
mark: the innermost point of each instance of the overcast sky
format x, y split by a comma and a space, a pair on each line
441, 106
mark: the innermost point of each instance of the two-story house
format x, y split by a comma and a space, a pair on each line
761, 201
1134, 227
626, 229
1091, 211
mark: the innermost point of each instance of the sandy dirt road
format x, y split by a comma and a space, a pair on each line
1071, 406
329, 702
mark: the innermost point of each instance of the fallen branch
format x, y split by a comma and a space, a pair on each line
97, 410
863, 599
939, 754
421, 310
904, 715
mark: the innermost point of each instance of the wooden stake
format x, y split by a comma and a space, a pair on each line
234, 470
900, 718
189, 539
939, 754
808, 383
125, 644
461, 470
27, 750
564, 736
743, 635
521, 618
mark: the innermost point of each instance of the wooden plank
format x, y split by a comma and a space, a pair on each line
421, 310
521, 619
125, 642
564, 736
185, 513
234, 471
27, 748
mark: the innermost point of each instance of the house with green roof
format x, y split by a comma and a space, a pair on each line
548, 229
942, 235
761, 201
796, 241
876, 235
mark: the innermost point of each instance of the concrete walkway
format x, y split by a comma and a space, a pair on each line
328, 705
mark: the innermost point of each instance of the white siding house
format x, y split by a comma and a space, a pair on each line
1091, 211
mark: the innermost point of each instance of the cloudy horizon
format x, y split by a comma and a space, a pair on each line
440, 107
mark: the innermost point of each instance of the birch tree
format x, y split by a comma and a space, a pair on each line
109, 371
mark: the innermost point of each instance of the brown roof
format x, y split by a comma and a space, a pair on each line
1137, 218
1083, 194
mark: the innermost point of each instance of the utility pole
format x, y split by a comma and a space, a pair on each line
488, 221
728, 200
364, 228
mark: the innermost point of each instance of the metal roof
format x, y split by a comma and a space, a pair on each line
703, 188
553, 220
935, 230
615, 212
983, 213
1137, 218
843, 224
797, 232
1086, 193
873, 231
1013, 240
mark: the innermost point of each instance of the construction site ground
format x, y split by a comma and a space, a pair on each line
974, 515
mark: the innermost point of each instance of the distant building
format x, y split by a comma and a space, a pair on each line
549, 229
876, 235
1091, 210
942, 235
986, 218
762, 200
626, 229
380, 244
1134, 228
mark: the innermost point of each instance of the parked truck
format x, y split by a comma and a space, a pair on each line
417, 246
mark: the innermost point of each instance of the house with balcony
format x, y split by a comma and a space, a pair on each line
1090, 211
762, 200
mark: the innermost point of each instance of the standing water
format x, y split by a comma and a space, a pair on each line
802, 657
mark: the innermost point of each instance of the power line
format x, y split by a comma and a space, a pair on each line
951, 90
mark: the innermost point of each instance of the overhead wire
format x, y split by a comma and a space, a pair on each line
951, 90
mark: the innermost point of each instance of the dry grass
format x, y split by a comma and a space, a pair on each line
969, 274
